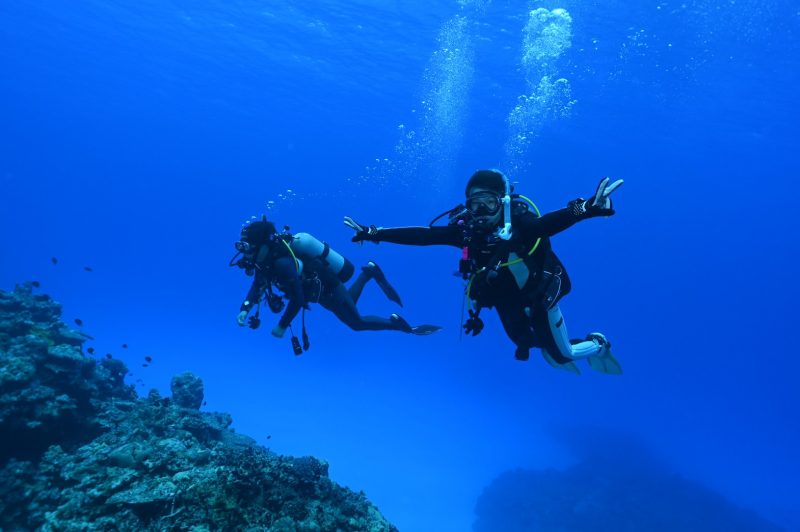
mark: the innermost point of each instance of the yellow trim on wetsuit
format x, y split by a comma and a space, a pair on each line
513, 262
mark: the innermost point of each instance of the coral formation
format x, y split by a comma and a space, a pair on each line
79, 450
618, 486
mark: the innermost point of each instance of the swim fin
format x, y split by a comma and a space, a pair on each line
419, 330
425, 330
377, 274
569, 366
604, 362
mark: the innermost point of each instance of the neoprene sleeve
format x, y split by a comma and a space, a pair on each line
254, 294
292, 285
448, 235
530, 228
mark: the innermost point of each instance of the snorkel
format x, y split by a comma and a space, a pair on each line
504, 233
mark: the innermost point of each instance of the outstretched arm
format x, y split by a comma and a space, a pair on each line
411, 236
554, 222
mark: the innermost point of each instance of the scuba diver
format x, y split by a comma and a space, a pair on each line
508, 263
307, 271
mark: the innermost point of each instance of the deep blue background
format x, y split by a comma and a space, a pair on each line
135, 137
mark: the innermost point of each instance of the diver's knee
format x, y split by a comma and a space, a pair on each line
522, 353
357, 325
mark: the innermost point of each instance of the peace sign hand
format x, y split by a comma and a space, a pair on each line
599, 204
602, 200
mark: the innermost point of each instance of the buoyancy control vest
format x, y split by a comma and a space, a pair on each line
535, 269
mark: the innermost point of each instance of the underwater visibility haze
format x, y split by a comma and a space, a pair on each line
138, 138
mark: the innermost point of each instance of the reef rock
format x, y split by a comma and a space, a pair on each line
618, 486
187, 390
79, 450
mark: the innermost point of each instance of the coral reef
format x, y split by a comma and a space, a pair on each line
79, 450
618, 486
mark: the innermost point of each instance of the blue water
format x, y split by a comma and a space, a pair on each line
136, 137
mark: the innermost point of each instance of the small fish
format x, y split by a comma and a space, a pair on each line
149, 359
205, 403
124, 346
145, 365
79, 322
269, 437
36, 284
130, 374
54, 260
87, 269
108, 355
90, 350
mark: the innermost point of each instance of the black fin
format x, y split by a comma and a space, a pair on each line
425, 330
384, 285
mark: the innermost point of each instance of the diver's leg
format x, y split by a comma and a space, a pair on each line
344, 308
358, 285
558, 346
375, 272
517, 326
551, 341
575, 349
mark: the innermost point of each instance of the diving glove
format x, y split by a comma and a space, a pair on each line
474, 324
241, 318
363, 232
598, 205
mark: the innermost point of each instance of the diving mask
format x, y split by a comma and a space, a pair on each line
242, 246
245, 257
484, 204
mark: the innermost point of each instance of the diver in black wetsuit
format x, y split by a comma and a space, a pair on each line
308, 271
509, 264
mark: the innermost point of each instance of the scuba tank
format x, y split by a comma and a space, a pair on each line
306, 245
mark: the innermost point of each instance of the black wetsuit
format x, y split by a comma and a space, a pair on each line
281, 271
324, 287
316, 284
498, 287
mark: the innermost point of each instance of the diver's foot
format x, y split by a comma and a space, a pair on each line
569, 366
375, 272
371, 268
604, 361
401, 324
